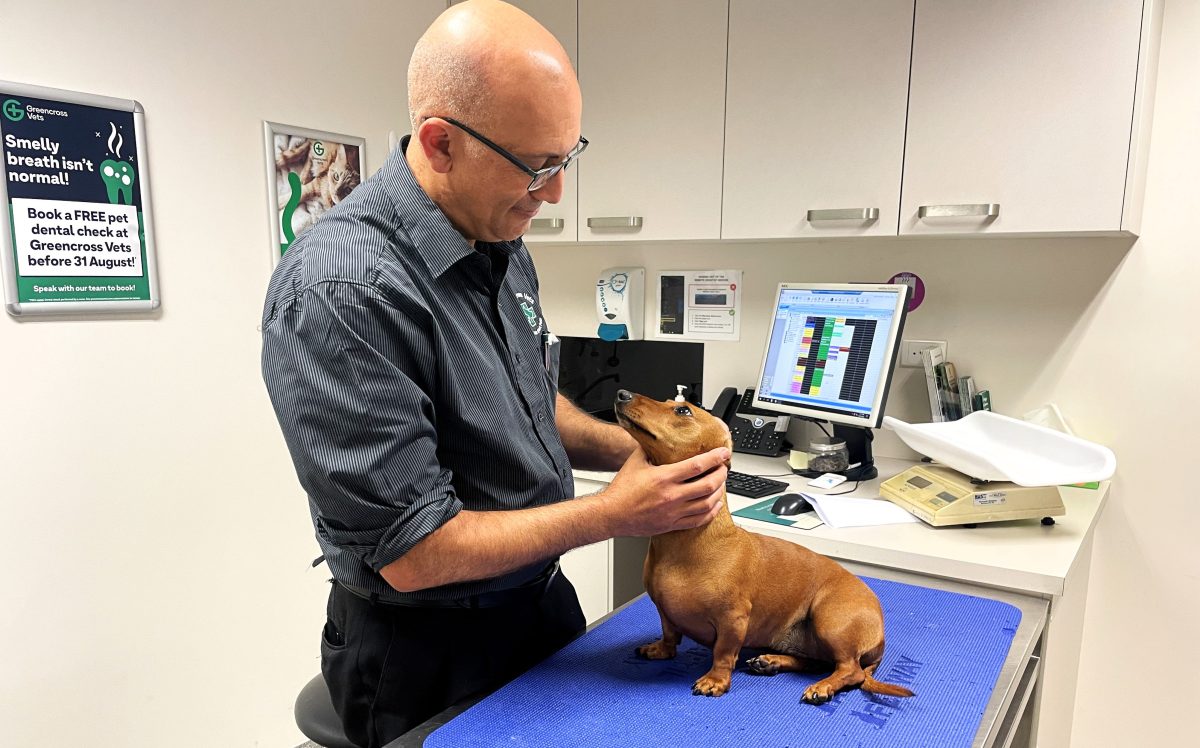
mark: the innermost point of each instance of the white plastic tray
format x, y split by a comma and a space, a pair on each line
990, 446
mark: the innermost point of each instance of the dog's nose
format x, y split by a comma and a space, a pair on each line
624, 396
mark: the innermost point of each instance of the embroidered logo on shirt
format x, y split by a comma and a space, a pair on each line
529, 306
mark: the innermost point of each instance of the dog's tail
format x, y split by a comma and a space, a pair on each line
870, 685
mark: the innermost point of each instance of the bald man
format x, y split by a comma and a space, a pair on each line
415, 380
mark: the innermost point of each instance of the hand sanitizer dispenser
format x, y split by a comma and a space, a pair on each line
619, 303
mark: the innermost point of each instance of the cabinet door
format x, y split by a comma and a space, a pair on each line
557, 223
818, 91
653, 76
1025, 105
589, 570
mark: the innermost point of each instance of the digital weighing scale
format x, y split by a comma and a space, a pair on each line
941, 496
992, 468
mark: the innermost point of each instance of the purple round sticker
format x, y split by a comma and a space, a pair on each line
913, 281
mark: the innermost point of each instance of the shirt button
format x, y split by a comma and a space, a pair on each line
541, 417
518, 358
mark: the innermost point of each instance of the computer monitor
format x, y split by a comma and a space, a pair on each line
829, 356
591, 371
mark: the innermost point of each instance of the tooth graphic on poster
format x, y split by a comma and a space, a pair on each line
118, 177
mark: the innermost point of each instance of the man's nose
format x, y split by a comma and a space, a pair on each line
551, 192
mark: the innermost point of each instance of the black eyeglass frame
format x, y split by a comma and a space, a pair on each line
537, 177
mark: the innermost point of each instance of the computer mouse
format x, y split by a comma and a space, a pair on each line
789, 504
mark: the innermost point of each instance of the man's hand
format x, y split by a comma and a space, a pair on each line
645, 499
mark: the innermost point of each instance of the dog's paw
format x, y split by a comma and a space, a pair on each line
817, 693
708, 685
762, 665
659, 650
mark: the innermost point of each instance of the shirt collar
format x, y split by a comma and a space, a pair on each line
435, 238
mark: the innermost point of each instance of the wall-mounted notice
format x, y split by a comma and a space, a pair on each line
699, 305
76, 230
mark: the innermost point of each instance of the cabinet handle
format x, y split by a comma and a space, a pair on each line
987, 210
547, 224
844, 214
615, 222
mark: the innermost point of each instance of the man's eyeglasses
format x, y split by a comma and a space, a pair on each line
537, 177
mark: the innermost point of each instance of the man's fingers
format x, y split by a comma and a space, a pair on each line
703, 510
709, 484
700, 464
713, 514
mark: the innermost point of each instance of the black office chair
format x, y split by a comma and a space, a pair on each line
316, 718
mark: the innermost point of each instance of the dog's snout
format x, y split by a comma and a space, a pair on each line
624, 396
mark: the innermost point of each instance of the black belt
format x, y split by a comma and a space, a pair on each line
531, 590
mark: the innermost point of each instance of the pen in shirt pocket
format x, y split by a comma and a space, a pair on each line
549, 340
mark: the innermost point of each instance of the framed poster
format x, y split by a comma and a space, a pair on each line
308, 172
77, 234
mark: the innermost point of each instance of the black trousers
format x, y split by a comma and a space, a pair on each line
389, 668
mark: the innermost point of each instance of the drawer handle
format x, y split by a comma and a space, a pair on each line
547, 224
986, 210
844, 214
615, 222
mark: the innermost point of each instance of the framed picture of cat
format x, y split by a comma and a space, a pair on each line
308, 172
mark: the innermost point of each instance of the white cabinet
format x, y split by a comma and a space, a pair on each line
653, 77
590, 571
759, 119
557, 222
817, 97
590, 568
1025, 105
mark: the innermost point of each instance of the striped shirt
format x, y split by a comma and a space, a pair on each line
410, 376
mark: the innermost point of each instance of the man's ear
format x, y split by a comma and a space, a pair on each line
434, 137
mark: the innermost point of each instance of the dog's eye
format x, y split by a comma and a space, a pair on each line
683, 410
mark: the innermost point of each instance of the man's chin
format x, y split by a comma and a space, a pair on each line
518, 227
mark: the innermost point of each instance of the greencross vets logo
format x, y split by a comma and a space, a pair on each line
529, 307
319, 148
12, 110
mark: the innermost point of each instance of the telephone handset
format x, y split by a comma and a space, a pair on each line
754, 430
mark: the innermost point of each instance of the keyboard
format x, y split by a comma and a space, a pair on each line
753, 486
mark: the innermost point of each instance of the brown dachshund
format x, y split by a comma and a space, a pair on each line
728, 588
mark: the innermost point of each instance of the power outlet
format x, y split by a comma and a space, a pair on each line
910, 350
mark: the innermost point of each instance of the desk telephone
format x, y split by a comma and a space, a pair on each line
754, 430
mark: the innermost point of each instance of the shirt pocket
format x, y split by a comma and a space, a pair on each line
552, 355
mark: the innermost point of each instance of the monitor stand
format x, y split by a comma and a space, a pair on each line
858, 445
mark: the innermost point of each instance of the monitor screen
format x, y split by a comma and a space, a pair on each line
831, 350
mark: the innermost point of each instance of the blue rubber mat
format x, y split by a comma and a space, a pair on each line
946, 647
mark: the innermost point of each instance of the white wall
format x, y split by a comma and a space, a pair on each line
1131, 373
1003, 305
156, 542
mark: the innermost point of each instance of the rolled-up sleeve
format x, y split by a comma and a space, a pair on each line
346, 374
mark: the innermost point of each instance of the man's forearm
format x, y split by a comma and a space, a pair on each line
591, 444
478, 545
